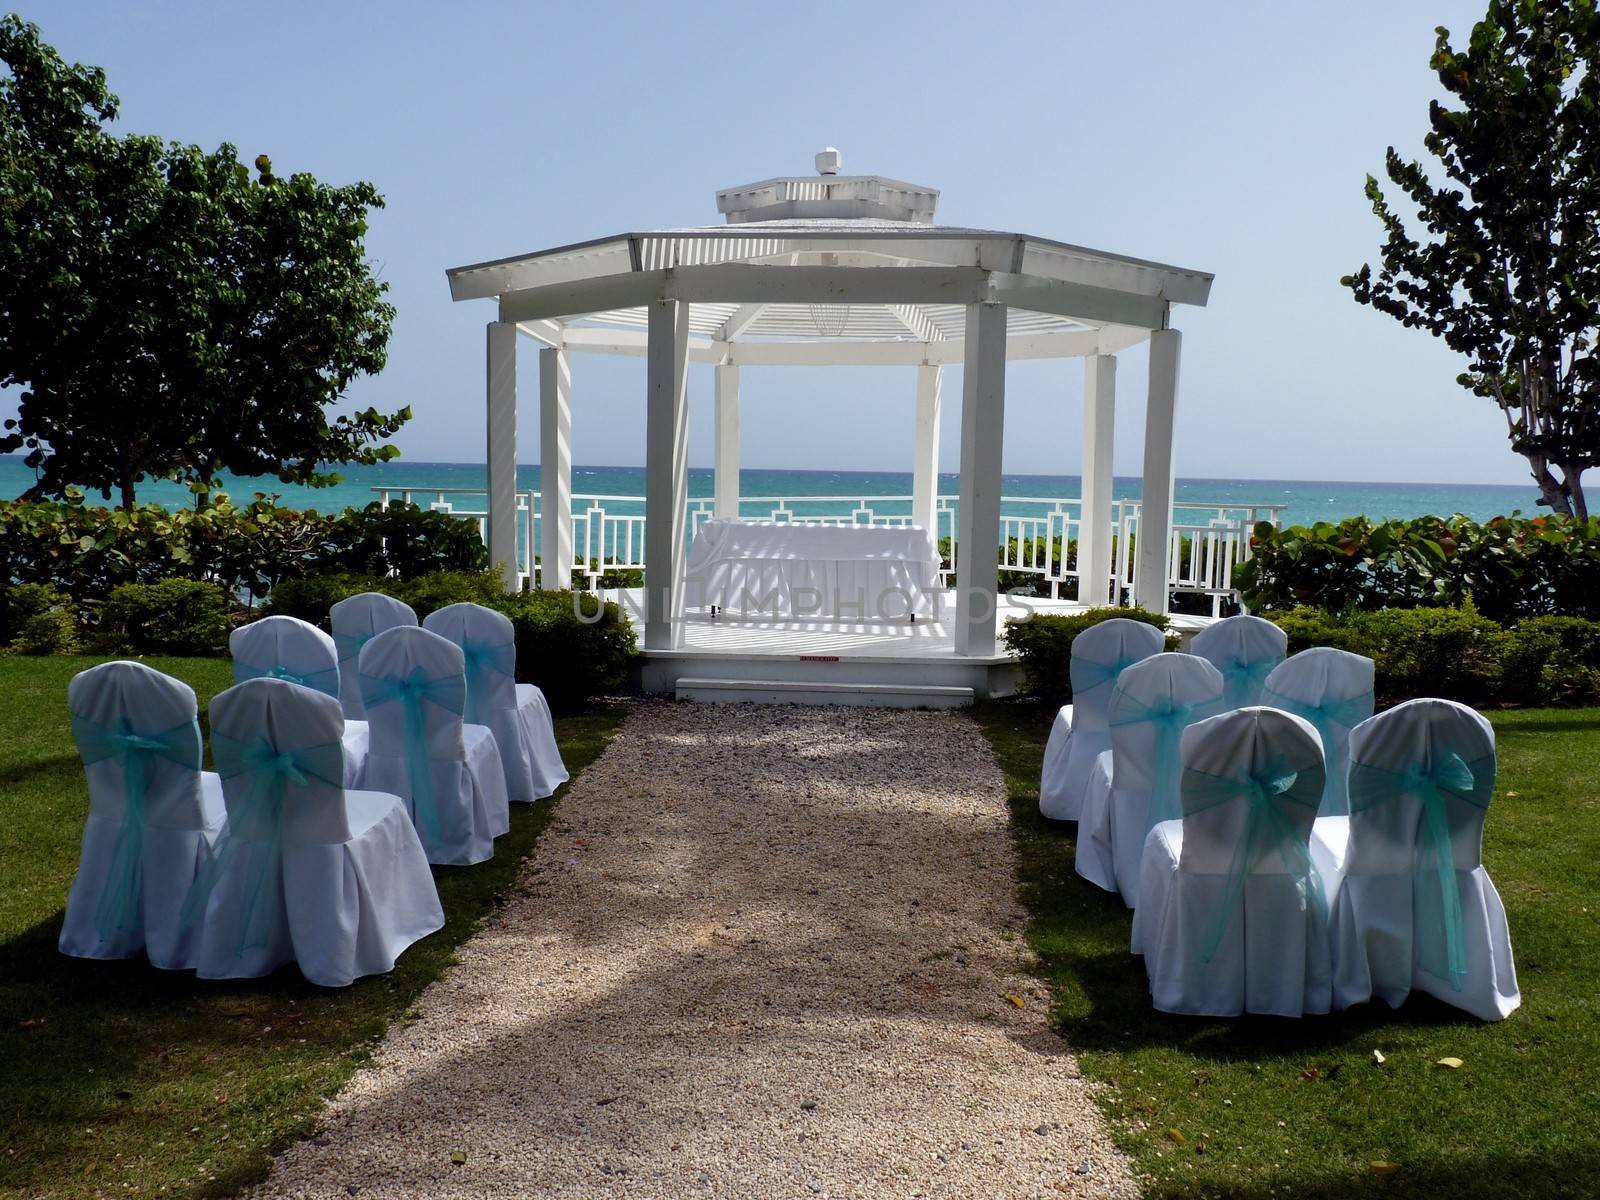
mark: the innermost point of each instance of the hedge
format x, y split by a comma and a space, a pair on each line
1043, 646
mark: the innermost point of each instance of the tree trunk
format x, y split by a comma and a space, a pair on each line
1552, 491
127, 487
1574, 485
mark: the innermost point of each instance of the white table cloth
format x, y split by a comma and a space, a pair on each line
830, 572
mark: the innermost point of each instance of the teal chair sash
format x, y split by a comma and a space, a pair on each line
1087, 674
120, 900
1244, 678
348, 645
325, 681
1169, 718
259, 819
1436, 893
484, 659
412, 691
1272, 793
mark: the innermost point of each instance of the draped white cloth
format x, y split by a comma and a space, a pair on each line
517, 714
833, 572
164, 837
1388, 918
1246, 650
1153, 702
1080, 733
295, 650
1231, 915
1333, 690
447, 772
353, 889
355, 620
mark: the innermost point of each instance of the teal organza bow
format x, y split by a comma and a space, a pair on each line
258, 820
1437, 901
325, 681
1169, 719
1243, 678
1272, 793
412, 691
1325, 717
484, 659
348, 645
1087, 674
119, 907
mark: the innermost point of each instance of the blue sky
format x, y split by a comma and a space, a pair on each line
1233, 138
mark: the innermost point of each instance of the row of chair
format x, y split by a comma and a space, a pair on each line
1235, 796
312, 841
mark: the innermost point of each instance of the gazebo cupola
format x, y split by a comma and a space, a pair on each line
842, 270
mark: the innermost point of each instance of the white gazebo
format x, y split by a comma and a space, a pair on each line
843, 270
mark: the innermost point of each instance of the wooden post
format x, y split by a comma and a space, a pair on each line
1094, 527
1155, 509
925, 467
727, 454
666, 462
501, 454
983, 404
555, 468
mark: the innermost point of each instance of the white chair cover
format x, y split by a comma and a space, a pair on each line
1333, 690
296, 651
153, 815
355, 620
1152, 704
1246, 650
1232, 914
516, 712
1416, 909
306, 871
448, 772
1080, 734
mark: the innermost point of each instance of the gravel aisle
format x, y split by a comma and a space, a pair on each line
764, 952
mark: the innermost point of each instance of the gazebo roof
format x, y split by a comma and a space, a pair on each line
830, 280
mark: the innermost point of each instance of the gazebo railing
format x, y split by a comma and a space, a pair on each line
1034, 537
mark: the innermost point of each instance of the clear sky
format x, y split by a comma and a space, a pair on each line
1232, 138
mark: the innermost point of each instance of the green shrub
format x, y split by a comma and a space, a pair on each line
54, 631
1043, 645
572, 661
1452, 653
406, 541
1308, 627
175, 616
311, 597
22, 601
434, 591
1552, 660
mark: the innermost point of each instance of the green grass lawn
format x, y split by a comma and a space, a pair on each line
1264, 1106
119, 1078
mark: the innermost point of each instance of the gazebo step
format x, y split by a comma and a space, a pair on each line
787, 691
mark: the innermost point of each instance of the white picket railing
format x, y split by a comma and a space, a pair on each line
608, 532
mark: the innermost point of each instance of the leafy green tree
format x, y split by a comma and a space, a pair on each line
168, 315
1508, 270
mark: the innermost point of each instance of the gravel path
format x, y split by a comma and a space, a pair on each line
763, 952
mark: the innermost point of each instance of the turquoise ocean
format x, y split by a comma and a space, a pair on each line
1305, 501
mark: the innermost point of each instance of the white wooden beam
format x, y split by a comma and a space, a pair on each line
501, 451
1099, 435
1081, 302
727, 435
925, 466
741, 283
555, 470
917, 322
547, 332
743, 317
627, 289
1155, 509
983, 406
666, 486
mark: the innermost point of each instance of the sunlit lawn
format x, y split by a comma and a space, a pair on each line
119, 1078
1263, 1106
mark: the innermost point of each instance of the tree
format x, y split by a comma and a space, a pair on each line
168, 315
1508, 273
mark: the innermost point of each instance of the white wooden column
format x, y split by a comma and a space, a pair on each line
727, 456
1155, 510
983, 404
501, 452
1099, 434
925, 467
666, 472
555, 468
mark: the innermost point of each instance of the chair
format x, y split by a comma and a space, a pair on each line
154, 816
1232, 914
1135, 783
1246, 650
1080, 734
355, 620
1333, 690
414, 687
1417, 910
306, 871
296, 651
516, 712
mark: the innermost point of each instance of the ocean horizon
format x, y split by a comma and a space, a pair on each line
1303, 501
